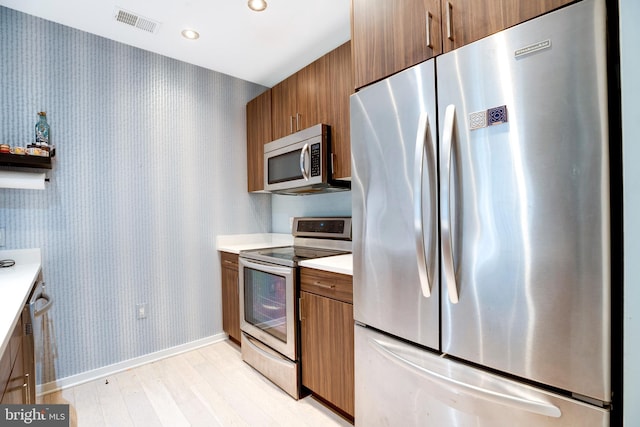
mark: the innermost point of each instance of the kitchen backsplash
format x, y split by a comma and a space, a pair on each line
285, 207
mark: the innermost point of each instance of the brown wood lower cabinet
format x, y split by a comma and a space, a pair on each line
326, 329
14, 376
230, 296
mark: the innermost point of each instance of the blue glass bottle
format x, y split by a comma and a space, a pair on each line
42, 130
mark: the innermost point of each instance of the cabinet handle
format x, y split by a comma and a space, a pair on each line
333, 168
449, 23
25, 393
429, 20
300, 317
226, 261
27, 397
291, 124
324, 285
297, 122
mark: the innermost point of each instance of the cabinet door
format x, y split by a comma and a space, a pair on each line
465, 21
327, 349
389, 36
284, 107
5, 371
230, 296
516, 11
258, 134
12, 373
16, 391
310, 88
334, 105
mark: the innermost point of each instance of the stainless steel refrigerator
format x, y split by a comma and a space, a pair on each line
481, 232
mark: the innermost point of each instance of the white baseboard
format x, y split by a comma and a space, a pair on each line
95, 374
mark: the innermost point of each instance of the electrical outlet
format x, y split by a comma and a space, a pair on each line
141, 310
1, 236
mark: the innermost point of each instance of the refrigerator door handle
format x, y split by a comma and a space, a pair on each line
421, 146
445, 232
516, 402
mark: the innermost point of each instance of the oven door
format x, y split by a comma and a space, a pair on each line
267, 308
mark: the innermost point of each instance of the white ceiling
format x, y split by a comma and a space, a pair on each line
261, 47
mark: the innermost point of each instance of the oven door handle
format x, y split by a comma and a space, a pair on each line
267, 268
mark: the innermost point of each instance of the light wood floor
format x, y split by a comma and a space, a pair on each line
210, 387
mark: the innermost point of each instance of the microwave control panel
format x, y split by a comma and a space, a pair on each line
315, 159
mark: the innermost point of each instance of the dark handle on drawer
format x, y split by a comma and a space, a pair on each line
324, 285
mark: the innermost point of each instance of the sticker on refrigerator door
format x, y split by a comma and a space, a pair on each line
532, 48
497, 115
478, 120
491, 117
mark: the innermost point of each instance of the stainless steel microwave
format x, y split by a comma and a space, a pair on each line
300, 163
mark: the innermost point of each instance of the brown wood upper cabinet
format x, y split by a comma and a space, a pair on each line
465, 21
285, 116
318, 93
258, 134
390, 35
333, 106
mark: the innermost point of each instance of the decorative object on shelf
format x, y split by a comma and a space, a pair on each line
42, 131
37, 154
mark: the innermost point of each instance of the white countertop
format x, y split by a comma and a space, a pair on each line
239, 242
235, 243
15, 285
342, 264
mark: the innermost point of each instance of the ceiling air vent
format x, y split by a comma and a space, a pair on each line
135, 20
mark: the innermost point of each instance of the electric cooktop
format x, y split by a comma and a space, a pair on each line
313, 238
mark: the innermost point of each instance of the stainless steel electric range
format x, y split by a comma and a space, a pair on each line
269, 294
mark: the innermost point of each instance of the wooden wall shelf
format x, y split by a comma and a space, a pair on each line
25, 161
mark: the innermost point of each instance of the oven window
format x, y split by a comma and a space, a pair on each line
265, 302
285, 167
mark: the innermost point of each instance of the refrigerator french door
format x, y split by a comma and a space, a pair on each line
395, 241
510, 308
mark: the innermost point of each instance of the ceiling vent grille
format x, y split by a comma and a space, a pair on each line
137, 21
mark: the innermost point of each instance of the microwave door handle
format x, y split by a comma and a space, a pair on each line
303, 158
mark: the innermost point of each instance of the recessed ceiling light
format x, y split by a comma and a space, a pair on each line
190, 34
257, 5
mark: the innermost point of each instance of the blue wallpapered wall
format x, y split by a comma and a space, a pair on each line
151, 166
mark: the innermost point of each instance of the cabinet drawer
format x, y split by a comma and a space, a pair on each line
229, 260
328, 284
